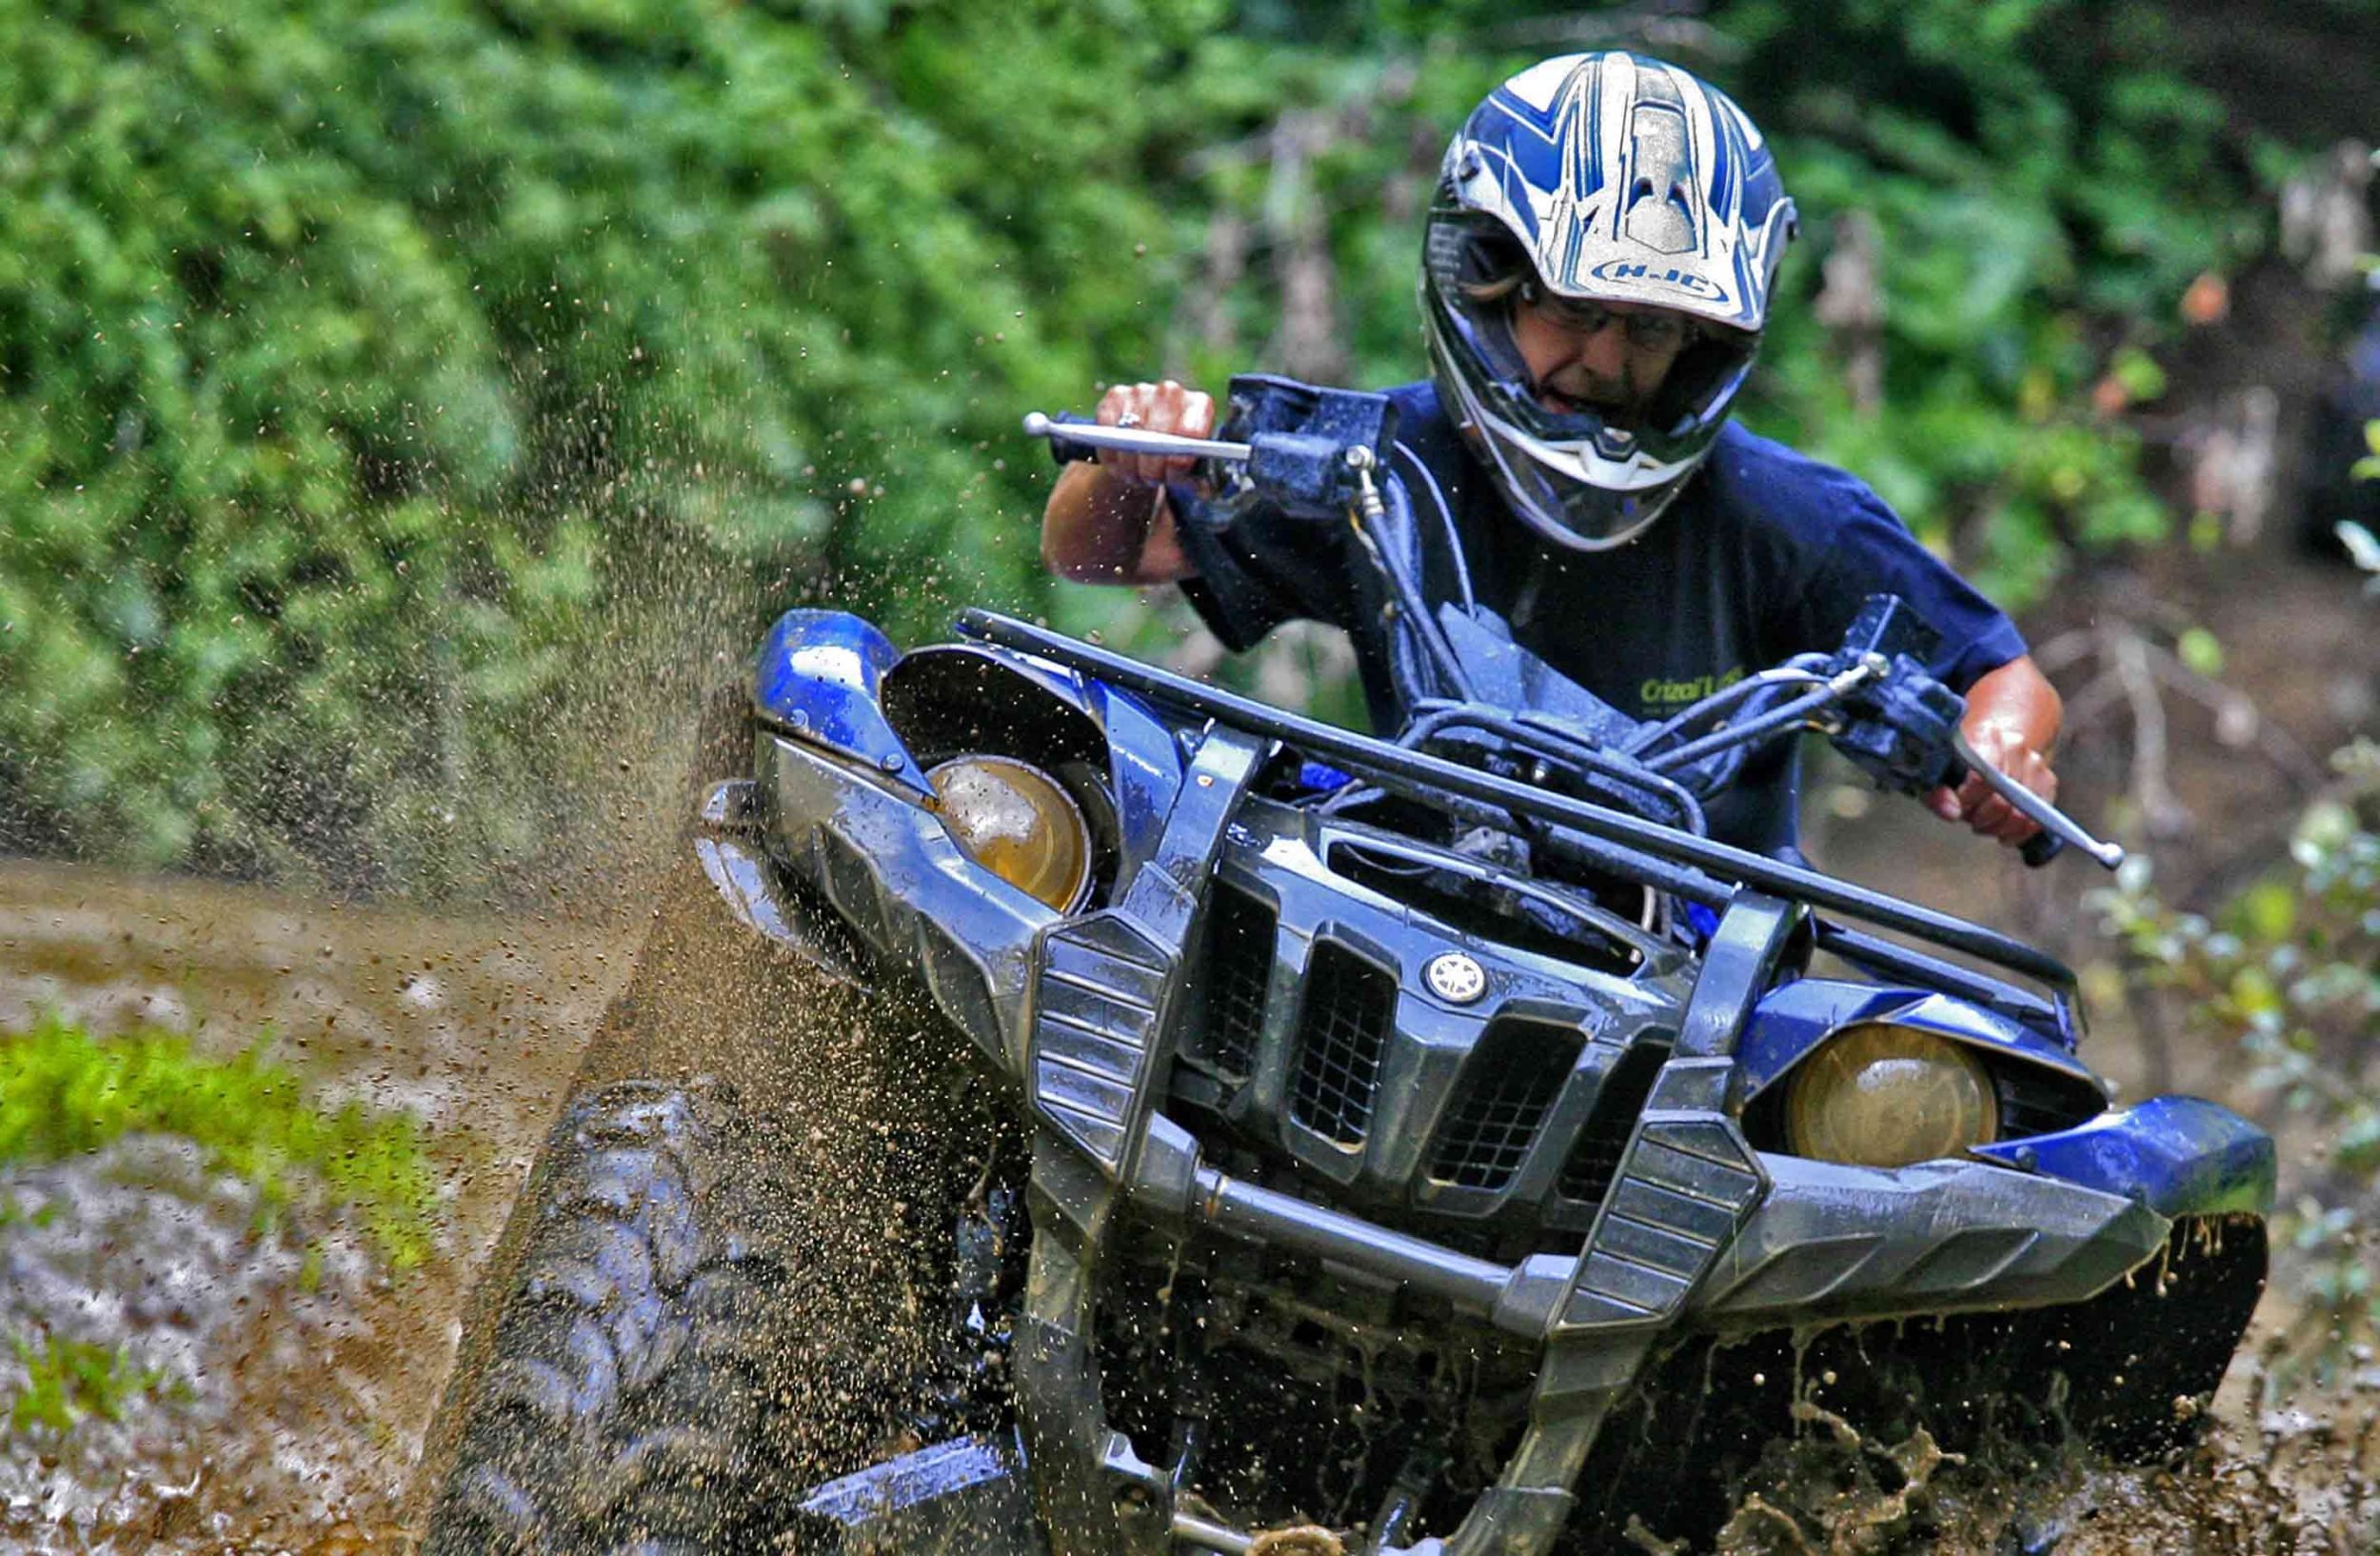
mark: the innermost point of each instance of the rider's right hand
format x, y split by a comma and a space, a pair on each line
1167, 407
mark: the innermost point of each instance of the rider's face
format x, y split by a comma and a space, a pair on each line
1610, 357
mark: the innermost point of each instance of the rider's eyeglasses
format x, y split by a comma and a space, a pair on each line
1650, 331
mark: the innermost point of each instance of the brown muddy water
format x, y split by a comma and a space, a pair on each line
304, 1381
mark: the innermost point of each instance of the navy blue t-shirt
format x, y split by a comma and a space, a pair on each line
1764, 555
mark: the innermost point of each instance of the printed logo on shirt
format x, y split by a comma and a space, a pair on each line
1669, 696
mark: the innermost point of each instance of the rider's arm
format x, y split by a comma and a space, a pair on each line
2013, 719
1110, 522
1100, 530
1861, 548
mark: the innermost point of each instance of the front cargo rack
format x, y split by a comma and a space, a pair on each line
1664, 858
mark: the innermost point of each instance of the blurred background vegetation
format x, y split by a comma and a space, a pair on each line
363, 361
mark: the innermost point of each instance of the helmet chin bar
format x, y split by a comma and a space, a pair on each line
1546, 513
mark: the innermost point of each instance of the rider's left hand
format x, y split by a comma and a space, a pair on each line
2013, 719
1974, 803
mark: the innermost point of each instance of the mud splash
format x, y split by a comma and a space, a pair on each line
2291, 1484
294, 1381
2224, 1499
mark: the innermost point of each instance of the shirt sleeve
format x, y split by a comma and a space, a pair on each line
1868, 550
1264, 568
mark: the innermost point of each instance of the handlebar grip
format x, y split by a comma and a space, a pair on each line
2040, 848
2035, 850
1066, 450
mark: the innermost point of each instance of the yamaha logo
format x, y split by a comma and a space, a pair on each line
1456, 978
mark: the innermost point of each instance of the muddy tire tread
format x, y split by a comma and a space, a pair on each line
620, 1412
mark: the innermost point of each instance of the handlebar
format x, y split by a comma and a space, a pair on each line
1310, 450
1317, 449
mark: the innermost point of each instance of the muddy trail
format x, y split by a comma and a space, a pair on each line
296, 1413
284, 1378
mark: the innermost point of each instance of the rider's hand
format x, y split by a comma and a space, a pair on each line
2013, 719
1155, 407
1974, 803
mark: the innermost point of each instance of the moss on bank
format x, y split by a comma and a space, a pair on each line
63, 1091
69, 1379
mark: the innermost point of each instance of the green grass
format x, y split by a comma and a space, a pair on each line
71, 1379
63, 1092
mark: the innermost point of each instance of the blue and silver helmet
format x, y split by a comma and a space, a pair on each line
1608, 178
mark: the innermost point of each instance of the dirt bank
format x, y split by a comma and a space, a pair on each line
296, 1399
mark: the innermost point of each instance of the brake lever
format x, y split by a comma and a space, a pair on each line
1073, 439
2055, 824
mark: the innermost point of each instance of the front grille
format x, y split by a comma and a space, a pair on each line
1342, 1028
1595, 1156
1238, 972
1510, 1080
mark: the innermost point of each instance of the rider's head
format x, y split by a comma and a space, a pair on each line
1595, 278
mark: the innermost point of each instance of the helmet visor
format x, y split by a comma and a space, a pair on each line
1584, 477
1470, 296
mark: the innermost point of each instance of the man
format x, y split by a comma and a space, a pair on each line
1595, 274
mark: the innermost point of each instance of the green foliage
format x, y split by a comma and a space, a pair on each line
2043, 188
2289, 970
353, 355
63, 1092
2368, 468
382, 379
69, 1379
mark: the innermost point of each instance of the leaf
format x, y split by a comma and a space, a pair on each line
2138, 373
2199, 649
2361, 548
2270, 910
2253, 995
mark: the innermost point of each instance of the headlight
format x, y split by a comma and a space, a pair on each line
1015, 821
1879, 1095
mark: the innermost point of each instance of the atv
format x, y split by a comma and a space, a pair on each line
1441, 1144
